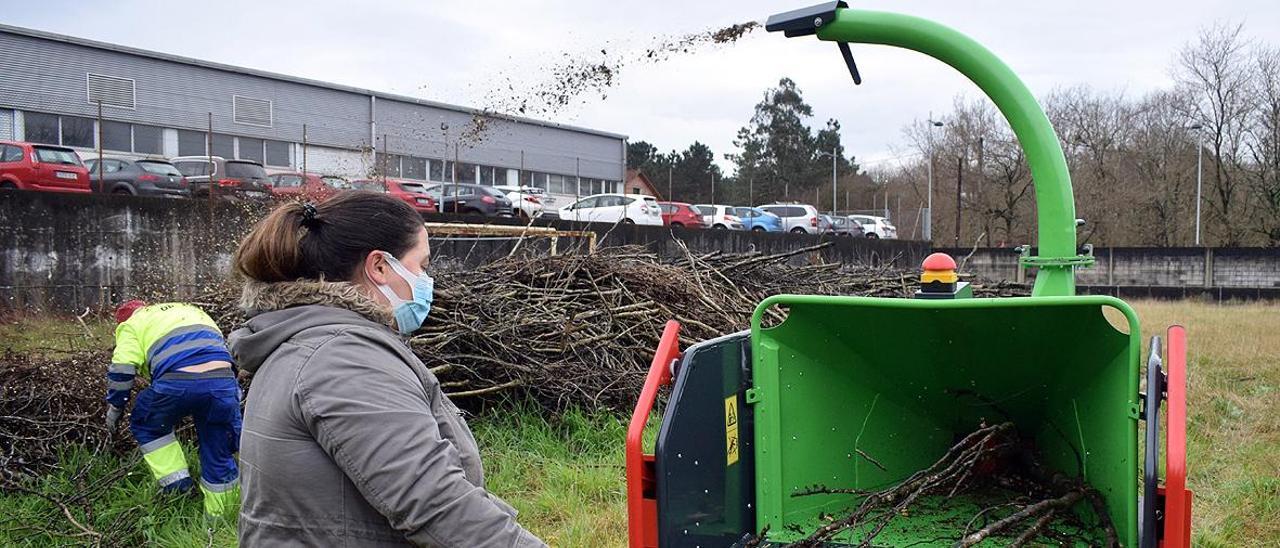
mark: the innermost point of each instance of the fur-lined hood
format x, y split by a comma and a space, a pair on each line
258, 297
279, 311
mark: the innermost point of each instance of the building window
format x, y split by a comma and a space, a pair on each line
77, 132
486, 175
117, 136
278, 153
41, 128
148, 140
224, 145
388, 165
414, 168
251, 149
466, 173
191, 143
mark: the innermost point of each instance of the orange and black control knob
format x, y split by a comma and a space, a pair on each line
939, 268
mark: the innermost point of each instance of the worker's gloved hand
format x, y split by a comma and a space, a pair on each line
113, 416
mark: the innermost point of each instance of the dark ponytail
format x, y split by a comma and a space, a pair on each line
327, 240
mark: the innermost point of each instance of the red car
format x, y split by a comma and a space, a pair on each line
680, 214
29, 166
316, 188
413, 192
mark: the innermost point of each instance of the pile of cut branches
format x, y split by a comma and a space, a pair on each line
580, 329
47, 405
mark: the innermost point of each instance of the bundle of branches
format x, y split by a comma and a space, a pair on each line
991, 459
47, 405
580, 329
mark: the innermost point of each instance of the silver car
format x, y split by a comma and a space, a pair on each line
797, 218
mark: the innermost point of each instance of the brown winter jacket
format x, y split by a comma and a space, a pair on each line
347, 438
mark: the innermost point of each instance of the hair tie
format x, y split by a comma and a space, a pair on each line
309, 213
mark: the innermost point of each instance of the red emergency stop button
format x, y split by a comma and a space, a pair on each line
939, 267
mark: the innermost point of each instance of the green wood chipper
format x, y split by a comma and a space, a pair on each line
859, 393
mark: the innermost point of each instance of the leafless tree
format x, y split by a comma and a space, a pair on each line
1263, 142
1213, 72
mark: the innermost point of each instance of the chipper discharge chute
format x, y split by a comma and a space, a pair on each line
829, 406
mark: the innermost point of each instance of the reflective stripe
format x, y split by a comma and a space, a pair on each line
176, 349
178, 332
219, 487
158, 443
120, 385
174, 478
126, 368
165, 460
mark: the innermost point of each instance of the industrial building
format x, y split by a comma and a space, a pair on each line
154, 104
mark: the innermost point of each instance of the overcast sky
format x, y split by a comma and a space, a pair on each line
460, 52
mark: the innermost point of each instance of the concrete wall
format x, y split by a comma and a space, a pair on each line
64, 253
1146, 266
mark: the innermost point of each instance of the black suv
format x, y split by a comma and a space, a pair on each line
470, 199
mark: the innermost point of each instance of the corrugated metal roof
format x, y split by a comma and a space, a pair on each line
45, 35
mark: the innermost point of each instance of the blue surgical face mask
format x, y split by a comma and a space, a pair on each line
411, 313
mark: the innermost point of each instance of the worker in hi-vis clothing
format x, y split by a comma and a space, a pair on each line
191, 374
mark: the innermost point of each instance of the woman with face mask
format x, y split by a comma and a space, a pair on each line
347, 438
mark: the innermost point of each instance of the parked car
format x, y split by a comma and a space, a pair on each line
308, 186
28, 166
758, 220
796, 218
843, 226
412, 192
526, 200
137, 178
719, 216
472, 199
876, 227
242, 179
615, 208
680, 214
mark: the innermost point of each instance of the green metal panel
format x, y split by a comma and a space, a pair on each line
901, 379
1054, 202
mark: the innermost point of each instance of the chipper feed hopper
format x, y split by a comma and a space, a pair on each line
857, 393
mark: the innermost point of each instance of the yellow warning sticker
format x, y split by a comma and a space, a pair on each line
731, 429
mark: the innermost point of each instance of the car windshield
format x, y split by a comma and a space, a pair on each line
245, 170
705, 210
57, 156
416, 188
375, 186
160, 168
337, 182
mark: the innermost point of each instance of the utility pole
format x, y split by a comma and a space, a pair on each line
834, 150
304, 151
959, 194
1199, 173
751, 191
102, 185
928, 216
208, 151
713, 187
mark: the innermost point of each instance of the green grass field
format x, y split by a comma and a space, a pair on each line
565, 473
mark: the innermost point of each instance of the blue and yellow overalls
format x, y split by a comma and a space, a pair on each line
161, 340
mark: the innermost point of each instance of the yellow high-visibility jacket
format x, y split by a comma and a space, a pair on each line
159, 338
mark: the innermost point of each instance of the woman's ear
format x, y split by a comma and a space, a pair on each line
376, 268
